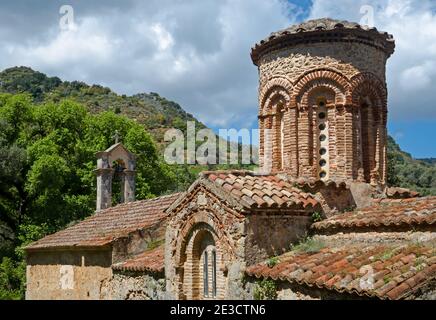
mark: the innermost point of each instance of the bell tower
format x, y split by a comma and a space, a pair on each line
323, 101
115, 162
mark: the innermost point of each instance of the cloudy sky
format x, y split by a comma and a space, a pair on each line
196, 52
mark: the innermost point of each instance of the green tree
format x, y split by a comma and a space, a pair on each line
47, 158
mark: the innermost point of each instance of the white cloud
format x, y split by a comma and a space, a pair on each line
411, 71
418, 77
196, 52
162, 37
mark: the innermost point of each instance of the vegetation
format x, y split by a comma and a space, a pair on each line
406, 172
151, 110
47, 157
265, 289
272, 261
317, 216
308, 245
50, 132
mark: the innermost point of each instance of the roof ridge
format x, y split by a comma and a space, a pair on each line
261, 189
120, 205
109, 224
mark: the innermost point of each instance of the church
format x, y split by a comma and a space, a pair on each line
320, 223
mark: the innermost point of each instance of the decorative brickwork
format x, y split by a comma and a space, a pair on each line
196, 226
323, 105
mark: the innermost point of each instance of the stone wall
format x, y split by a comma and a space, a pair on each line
66, 275
134, 286
271, 234
335, 200
137, 242
200, 215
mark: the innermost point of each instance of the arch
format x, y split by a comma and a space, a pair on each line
275, 102
274, 86
119, 165
367, 83
326, 93
203, 244
333, 87
201, 218
321, 78
369, 96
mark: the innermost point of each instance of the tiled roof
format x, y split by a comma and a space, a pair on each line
312, 183
324, 26
385, 213
401, 193
109, 224
397, 270
259, 191
150, 260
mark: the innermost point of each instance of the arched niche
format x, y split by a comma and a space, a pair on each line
201, 259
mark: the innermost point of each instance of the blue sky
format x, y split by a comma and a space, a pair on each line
196, 52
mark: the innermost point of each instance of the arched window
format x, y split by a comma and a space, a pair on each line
205, 275
323, 139
209, 273
201, 270
214, 273
118, 181
369, 120
280, 134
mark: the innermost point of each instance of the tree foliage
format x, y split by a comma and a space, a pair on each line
47, 157
406, 172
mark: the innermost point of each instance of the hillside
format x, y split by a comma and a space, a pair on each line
153, 111
428, 160
405, 171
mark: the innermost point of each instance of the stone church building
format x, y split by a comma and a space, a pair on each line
321, 224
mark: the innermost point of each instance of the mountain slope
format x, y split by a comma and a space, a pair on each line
405, 171
149, 109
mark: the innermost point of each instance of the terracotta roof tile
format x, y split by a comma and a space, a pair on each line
401, 193
321, 27
312, 183
150, 260
260, 191
341, 269
385, 213
109, 224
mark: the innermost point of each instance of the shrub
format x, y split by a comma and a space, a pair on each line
317, 216
309, 245
272, 262
265, 289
